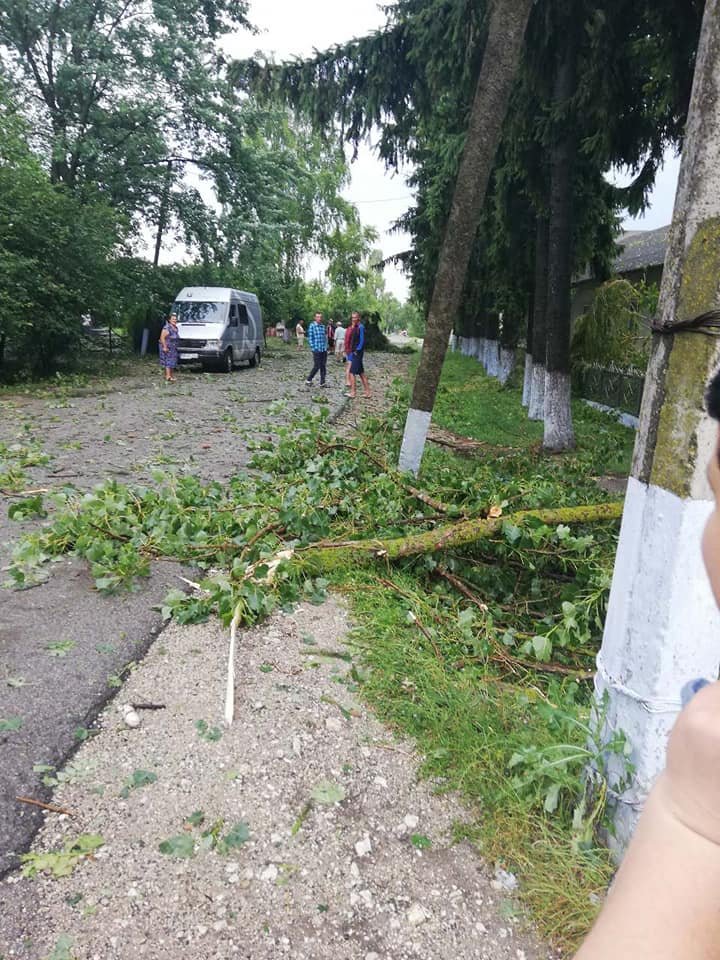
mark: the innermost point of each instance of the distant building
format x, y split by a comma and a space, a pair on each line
641, 259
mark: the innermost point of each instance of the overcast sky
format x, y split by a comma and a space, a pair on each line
294, 29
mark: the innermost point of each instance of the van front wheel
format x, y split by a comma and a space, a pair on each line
256, 358
227, 361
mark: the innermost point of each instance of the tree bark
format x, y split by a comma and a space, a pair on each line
662, 622
506, 34
536, 398
559, 433
162, 215
327, 556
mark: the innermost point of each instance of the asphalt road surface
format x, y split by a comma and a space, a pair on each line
64, 647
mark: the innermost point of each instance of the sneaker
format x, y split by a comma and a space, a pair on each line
323, 385
308, 383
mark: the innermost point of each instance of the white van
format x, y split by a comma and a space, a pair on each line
218, 327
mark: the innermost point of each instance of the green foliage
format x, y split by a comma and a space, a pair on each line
62, 949
55, 255
185, 845
206, 732
10, 724
615, 329
63, 862
327, 793
140, 778
27, 509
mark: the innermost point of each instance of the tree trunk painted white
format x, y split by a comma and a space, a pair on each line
662, 625
559, 433
536, 405
413, 444
502, 54
506, 364
527, 377
480, 350
492, 358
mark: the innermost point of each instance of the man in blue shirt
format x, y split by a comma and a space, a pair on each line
357, 351
317, 340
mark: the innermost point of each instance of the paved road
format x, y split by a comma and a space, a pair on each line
124, 430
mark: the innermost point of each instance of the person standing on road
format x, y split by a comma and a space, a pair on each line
357, 352
331, 336
339, 342
317, 340
300, 334
168, 348
347, 347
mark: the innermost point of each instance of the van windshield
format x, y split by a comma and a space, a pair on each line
189, 311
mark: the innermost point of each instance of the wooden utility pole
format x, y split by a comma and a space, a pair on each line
662, 627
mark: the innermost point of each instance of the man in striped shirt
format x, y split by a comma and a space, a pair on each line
317, 340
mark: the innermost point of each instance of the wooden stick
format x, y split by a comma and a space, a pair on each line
44, 806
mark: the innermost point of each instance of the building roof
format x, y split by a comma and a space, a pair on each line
640, 249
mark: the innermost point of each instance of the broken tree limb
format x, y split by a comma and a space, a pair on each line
329, 555
385, 468
45, 806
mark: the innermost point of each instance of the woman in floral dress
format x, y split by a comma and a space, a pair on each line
168, 348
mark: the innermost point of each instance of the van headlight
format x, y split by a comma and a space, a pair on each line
213, 344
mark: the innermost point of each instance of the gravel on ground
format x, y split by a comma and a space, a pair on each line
63, 646
333, 848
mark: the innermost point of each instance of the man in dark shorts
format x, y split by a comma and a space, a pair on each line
355, 358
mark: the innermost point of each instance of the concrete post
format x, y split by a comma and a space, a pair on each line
662, 626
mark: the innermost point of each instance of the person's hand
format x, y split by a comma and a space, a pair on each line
692, 775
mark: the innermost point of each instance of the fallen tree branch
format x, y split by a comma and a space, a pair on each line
44, 806
381, 465
464, 445
328, 555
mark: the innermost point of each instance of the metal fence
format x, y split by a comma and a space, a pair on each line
613, 387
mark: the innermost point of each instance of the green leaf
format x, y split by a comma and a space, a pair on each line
552, 798
211, 734
10, 725
237, 836
139, 778
327, 792
542, 648
27, 509
420, 841
196, 819
17, 682
60, 648
61, 863
182, 846
62, 949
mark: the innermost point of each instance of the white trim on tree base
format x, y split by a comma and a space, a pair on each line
492, 358
506, 364
536, 405
481, 343
559, 433
662, 629
413, 443
527, 376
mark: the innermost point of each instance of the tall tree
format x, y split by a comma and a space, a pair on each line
662, 623
557, 414
506, 34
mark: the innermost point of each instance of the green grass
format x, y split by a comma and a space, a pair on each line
468, 716
474, 405
468, 722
